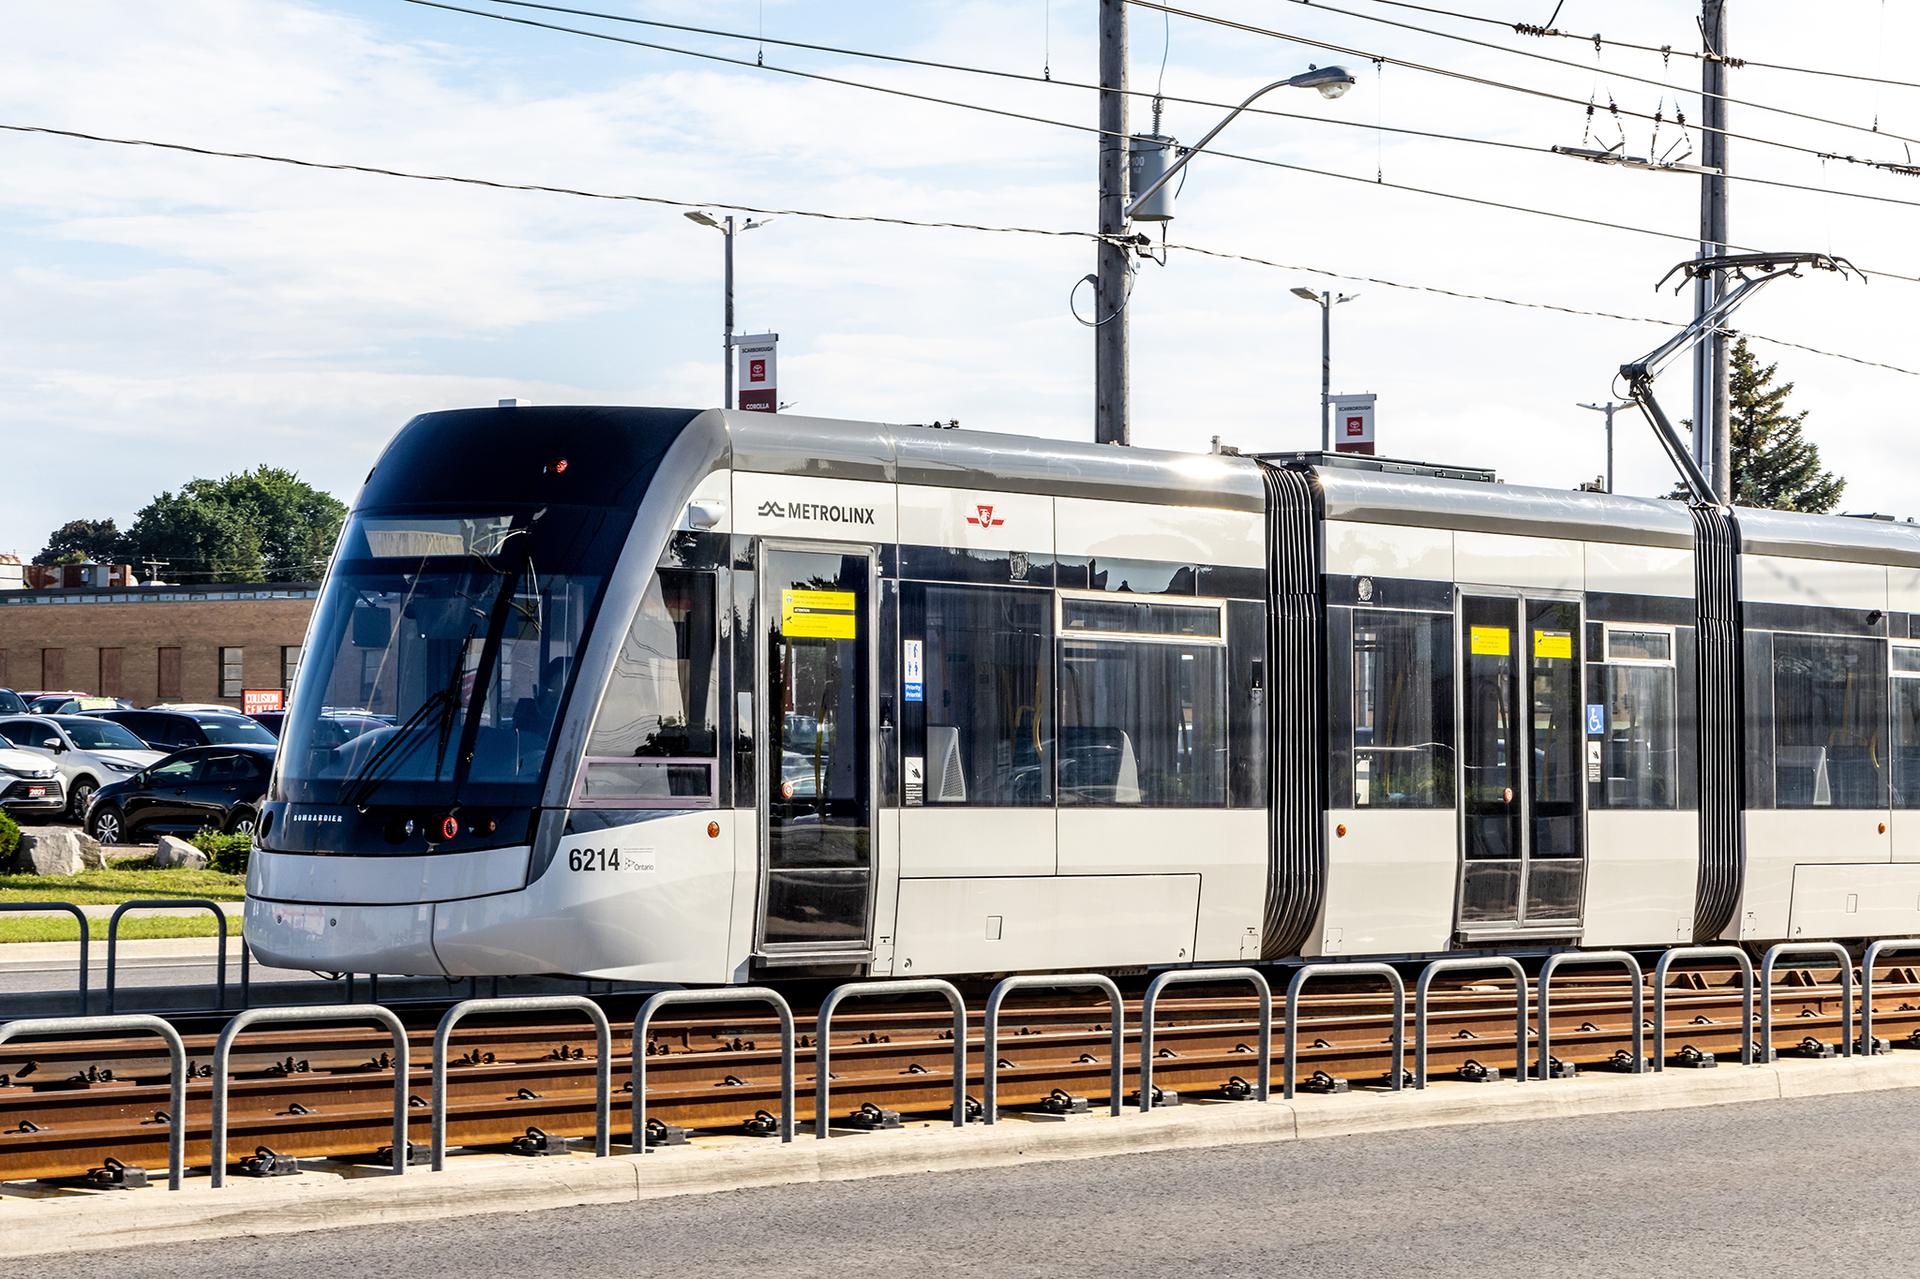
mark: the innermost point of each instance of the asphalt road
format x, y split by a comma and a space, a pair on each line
1819, 1186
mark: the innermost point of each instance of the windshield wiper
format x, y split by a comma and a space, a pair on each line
445, 699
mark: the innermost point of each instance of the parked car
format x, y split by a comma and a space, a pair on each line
333, 731
177, 730
88, 752
11, 703
190, 790
196, 708
45, 701
56, 704
29, 783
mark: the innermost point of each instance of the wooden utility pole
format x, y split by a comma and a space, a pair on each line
1110, 425
1712, 420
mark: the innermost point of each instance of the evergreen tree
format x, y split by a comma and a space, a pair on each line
1774, 464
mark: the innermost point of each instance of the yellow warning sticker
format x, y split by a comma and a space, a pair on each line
1551, 644
1491, 641
818, 615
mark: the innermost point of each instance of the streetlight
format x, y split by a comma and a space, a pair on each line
726, 228
1326, 302
1331, 82
1608, 408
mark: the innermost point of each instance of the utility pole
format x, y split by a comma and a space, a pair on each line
1110, 425
1608, 408
1326, 300
1712, 423
726, 229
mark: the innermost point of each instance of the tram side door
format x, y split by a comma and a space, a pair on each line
816, 672
1523, 823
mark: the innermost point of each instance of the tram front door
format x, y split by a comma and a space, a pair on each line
1523, 822
817, 766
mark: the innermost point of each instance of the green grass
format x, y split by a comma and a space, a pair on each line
128, 880
62, 927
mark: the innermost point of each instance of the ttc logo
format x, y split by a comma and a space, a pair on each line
983, 517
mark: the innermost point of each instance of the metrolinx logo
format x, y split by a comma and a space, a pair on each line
819, 512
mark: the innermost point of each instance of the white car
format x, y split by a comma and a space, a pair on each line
87, 752
29, 783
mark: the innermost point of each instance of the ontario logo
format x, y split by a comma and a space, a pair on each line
819, 512
983, 517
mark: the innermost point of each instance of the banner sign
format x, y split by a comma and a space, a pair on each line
1353, 423
759, 387
261, 701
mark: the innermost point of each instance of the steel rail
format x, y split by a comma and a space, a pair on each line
177, 1080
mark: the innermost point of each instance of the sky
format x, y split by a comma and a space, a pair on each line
167, 316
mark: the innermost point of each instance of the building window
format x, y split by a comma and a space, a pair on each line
1142, 702
1830, 716
168, 686
289, 665
1633, 697
110, 672
232, 676
53, 668
1402, 710
977, 695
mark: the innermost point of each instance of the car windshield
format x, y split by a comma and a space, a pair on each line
232, 730
101, 735
455, 635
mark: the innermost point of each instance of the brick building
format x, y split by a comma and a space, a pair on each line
155, 643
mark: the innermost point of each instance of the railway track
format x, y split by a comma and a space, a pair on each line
68, 1106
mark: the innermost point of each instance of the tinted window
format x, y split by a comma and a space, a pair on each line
1402, 710
1829, 715
977, 714
1143, 721
101, 735
27, 733
176, 772
233, 731
1906, 727
10, 703
663, 699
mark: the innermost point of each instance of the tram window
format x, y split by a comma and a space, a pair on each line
1638, 729
663, 699
1830, 717
1906, 726
983, 721
1402, 710
1143, 718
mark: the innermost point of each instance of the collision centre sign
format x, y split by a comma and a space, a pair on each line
261, 701
759, 385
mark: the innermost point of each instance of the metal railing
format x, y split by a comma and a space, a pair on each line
1686, 955
823, 1046
603, 1061
1307, 973
176, 1058
990, 1094
1885, 946
180, 903
223, 1053
1570, 958
1467, 963
1778, 951
70, 909
728, 995
1195, 976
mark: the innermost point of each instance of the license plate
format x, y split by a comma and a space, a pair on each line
36, 792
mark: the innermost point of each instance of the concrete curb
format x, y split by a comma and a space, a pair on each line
477, 1184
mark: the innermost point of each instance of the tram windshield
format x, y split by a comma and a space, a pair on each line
442, 648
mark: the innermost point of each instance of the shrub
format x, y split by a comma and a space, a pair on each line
227, 853
9, 838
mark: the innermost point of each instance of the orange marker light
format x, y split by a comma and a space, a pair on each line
558, 466
713, 830
1341, 830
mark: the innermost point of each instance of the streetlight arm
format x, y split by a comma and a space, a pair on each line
1201, 145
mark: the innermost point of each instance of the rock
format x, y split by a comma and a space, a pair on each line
92, 855
52, 850
178, 852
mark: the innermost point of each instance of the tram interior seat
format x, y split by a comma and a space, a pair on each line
1099, 766
948, 772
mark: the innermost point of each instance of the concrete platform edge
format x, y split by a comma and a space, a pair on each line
484, 1184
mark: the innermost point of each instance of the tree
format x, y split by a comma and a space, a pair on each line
1774, 464
77, 541
266, 524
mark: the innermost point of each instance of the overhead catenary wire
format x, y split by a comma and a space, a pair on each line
1687, 238
1548, 30
494, 184
1157, 95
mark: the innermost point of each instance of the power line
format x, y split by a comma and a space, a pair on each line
1469, 78
1581, 66
841, 81
919, 223
1664, 50
1024, 77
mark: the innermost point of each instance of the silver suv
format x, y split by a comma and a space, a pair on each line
88, 752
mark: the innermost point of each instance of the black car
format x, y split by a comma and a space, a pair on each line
11, 703
177, 730
190, 790
332, 731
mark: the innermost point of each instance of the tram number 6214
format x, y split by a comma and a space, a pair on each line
632, 862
